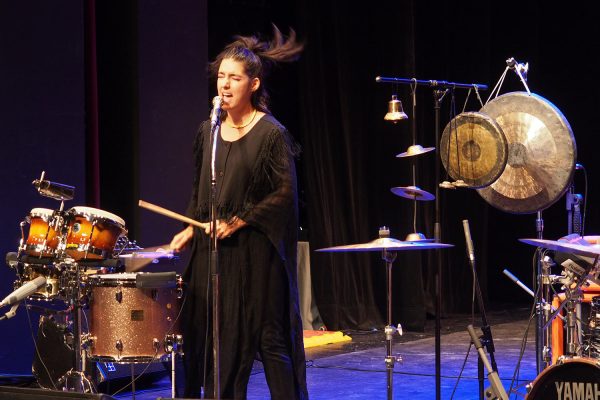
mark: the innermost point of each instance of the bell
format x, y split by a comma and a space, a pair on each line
395, 112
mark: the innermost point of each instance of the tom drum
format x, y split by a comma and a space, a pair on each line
130, 323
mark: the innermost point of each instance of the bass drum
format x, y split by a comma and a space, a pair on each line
55, 355
574, 378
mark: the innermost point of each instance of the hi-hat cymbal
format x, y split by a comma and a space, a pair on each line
415, 150
389, 244
564, 246
541, 153
413, 193
473, 149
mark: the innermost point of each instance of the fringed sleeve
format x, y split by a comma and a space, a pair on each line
271, 197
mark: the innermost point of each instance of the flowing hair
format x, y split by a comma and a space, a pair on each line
258, 58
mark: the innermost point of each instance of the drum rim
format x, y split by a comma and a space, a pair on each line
41, 212
98, 213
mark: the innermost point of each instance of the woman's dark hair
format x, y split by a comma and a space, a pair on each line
258, 57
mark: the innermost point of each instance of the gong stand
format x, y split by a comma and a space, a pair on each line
440, 88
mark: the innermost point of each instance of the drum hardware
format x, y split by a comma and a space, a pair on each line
174, 346
578, 267
593, 340
388, 247
54, 190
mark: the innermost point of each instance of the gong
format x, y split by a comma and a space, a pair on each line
541, 153
473, 148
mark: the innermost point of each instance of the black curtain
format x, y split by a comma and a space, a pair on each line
349, 162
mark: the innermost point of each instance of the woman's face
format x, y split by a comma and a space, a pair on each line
234, 86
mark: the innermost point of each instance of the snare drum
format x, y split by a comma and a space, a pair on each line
92, 233
573, 378
130, 324
42, 239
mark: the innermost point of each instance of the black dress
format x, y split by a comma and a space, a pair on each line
256, 181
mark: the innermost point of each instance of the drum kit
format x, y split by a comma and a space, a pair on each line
576, 372
71, 263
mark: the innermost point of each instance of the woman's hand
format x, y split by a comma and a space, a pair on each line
227, 228
181, 239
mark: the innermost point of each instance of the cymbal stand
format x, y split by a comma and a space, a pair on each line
390, 359
440, 88
542, 337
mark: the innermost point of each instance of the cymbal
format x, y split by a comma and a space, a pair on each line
413, 193
415, 150
541, 153
473, 149
565, 247
389, 244
149, 254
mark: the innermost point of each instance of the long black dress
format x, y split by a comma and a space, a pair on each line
256, 181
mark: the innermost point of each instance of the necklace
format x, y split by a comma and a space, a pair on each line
243, 125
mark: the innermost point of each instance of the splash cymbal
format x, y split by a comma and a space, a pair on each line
413, 193
415, 150
541, 153
386, 244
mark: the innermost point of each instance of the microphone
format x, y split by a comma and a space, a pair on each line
24, 291
215, 114
54, 190
469, 241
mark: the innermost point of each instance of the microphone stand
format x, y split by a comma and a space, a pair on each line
486, 339
213, 251
439, 90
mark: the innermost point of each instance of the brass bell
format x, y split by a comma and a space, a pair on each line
395, 112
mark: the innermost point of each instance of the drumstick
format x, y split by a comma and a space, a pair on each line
171, 214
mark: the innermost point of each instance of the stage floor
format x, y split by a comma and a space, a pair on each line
356, 369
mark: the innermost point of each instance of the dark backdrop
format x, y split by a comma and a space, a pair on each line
103, 96
152, 93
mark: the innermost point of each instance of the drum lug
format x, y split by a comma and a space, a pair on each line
154, 294
119, 345
87, 341
155, 345
173, 343
119, 296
